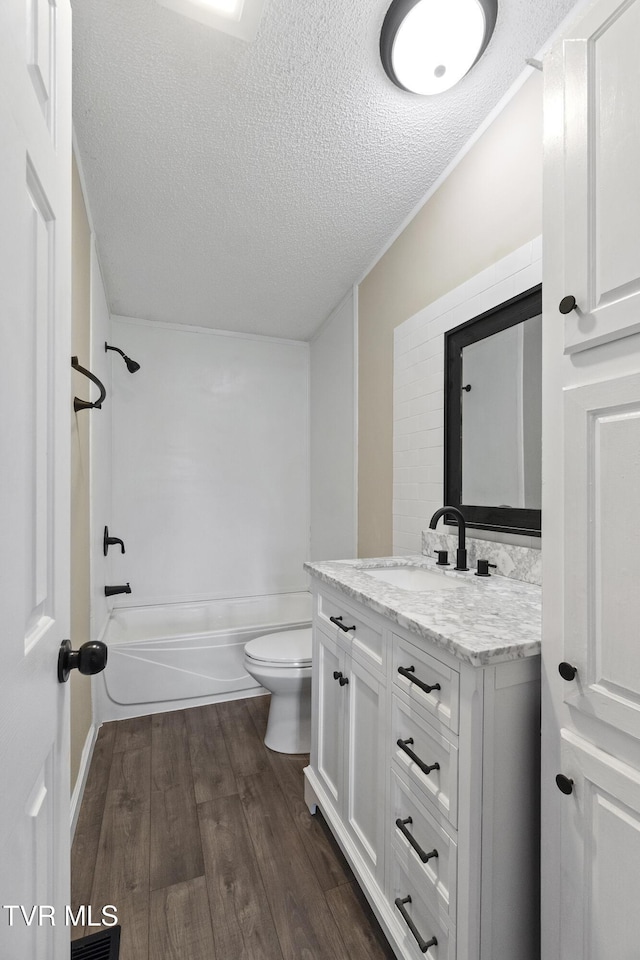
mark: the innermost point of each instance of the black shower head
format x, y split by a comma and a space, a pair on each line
132, 366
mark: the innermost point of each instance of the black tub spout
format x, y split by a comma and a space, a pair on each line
121, 588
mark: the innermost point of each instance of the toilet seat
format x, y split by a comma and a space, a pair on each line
289, 648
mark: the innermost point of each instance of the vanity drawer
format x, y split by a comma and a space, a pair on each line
424, 848
365, 639
421, 671
422, 747
418, 915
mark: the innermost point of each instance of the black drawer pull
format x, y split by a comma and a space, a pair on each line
409, 672
425, 767
338, 623
425, 857
422, 943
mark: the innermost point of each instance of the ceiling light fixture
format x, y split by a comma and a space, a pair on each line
426, 46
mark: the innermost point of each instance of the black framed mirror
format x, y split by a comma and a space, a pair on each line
493, 416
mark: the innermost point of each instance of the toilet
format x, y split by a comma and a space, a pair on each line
281, 663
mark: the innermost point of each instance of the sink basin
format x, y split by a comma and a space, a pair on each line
412, 578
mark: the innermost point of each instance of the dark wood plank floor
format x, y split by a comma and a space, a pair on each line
200, 836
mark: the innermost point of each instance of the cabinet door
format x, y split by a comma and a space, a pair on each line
329, 697
364, 765
602, 530
602, 159
600, 853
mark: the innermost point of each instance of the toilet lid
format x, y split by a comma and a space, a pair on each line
290, 646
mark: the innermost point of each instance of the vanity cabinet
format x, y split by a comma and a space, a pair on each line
426, 769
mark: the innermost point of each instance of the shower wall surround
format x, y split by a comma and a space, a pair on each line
210, 463
418, 395
100, 424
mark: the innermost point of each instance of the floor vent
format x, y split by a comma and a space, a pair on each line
103, 945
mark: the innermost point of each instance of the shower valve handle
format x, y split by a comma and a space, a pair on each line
108, 541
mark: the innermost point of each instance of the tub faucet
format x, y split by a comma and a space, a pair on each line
461, 552
121, 588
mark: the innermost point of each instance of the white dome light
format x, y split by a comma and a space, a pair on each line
428, 45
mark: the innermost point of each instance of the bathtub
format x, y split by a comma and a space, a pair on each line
178, 655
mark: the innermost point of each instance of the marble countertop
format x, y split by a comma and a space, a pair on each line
486, 620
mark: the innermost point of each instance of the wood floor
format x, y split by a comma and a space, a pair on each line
200, 837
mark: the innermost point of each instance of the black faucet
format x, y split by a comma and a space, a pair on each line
121, 588
461, 552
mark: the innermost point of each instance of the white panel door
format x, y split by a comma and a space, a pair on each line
600, 853
35, 202
602, 159
602, 527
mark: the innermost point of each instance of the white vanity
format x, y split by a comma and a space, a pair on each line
426, 751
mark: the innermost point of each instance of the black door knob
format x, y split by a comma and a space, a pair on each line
89, 659
567, 304
565, 785
343, 680
566, 670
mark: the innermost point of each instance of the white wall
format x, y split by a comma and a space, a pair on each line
101, 514
333, 436
418, 394
210, 463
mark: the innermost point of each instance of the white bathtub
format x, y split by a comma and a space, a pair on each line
183, 654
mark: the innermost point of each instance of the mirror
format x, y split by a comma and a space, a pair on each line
493, 416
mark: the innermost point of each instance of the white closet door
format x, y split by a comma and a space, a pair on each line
601, 853
602, 527
602, 159
591, 489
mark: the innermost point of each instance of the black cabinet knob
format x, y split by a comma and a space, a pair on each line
567, 304
90, 659
566, 670
343, 680
336, 674
565, 785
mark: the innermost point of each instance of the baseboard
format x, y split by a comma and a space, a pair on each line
81, 779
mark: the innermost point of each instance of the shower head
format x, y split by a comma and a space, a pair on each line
132, 366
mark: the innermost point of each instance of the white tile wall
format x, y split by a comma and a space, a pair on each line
210, 464
418, 393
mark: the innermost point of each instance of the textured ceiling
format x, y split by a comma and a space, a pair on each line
247, 186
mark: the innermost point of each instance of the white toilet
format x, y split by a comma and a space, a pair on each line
281, 663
